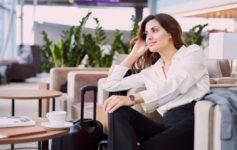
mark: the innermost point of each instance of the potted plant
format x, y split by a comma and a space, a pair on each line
75, 44
194, 35
68, 51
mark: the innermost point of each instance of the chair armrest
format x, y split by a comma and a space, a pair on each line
216, 142
203, 125
207, 128
102, 94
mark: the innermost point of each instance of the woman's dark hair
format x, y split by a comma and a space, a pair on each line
171, 26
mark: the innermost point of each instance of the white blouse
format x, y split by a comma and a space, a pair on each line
187, 79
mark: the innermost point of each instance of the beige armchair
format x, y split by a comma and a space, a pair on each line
59, 76
76, 80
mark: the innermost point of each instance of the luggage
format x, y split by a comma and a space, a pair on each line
86, 133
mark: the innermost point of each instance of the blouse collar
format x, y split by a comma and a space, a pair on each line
178, 54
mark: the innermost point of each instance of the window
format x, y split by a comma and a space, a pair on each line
7, 29
1, 25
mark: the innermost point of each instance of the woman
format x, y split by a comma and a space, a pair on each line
173, 75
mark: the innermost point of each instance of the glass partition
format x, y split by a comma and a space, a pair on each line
7, 29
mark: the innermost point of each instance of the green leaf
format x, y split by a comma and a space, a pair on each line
60, 53
135, 27
74, 44
54, 54
118, 44
194, 35
46, 53
100, 35
79, 29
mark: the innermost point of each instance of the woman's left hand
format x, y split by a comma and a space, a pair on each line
114, 102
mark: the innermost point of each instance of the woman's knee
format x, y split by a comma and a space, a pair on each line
122, 112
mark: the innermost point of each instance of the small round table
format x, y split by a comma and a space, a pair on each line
42, 137
27, 94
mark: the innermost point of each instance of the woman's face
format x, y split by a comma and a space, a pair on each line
157, 39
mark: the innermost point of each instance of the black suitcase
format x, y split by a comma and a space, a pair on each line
86, 133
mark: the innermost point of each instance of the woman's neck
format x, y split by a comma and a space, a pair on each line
167, 54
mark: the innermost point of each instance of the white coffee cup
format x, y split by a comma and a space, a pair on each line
56, 118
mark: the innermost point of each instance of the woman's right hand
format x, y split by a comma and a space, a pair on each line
139, 48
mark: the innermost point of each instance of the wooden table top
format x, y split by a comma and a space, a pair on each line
28, 94
50, 134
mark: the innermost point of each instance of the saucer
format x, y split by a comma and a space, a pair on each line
47, 125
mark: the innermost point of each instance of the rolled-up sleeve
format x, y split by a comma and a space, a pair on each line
117, 82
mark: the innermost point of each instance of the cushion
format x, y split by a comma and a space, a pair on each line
24, 54
76, 110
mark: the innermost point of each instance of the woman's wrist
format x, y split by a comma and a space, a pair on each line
129, 61
132, 99
135, 99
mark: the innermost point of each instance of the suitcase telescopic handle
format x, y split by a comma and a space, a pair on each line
85, 89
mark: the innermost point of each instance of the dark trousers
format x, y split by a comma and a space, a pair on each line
129, 130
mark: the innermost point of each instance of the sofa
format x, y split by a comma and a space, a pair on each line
22, 69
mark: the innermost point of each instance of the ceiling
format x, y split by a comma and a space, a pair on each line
229, 11
205, 8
